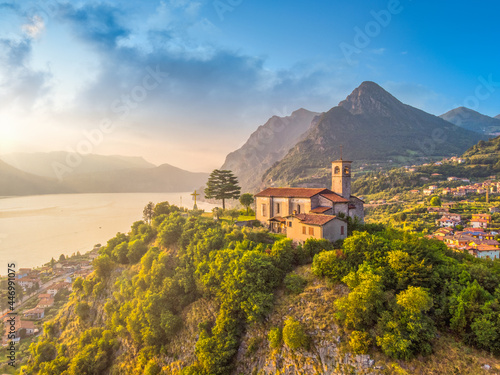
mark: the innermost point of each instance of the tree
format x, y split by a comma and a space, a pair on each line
435, 201
148, 212
62, 258
246, 200
222, 185
233, 214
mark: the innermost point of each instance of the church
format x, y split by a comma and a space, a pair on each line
301, 213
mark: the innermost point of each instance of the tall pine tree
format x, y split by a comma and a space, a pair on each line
222, 184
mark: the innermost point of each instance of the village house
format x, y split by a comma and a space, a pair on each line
28, 283
449, 221
21, 328
303, 213
485, 251
480, 220
56, 287
44, 303
35, 313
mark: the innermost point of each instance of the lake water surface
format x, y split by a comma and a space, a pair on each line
34, 229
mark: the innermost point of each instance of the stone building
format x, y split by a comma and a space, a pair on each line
301, 213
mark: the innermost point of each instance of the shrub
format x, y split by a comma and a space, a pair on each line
294, 335
275, 337
360, 342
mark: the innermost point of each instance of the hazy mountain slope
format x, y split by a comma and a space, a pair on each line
267, 145
468, 119
371, 124
498, 117
42, 163
164, 178
16, 182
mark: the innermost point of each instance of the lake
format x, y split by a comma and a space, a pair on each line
34, 229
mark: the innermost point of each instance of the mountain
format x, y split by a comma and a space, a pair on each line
267, 145
42, 164
372, 125
16, 182
498, 117
468, 119
165, 178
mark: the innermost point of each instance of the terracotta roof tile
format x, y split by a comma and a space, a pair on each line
277, 218
331, 196
320, 210
315, 219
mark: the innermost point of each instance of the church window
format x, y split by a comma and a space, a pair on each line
298, 208
346, 170
342, 230
311, 231
337, 170
278, 208
264, 213
303, 230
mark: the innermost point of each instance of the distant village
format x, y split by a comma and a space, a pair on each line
41, 288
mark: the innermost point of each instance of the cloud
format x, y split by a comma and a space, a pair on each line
35, 27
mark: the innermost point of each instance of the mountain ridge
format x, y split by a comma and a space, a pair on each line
389, 129
472, 120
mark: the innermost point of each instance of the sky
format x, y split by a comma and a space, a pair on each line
186, 82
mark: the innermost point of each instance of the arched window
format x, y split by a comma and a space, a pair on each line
346, 170
337, 170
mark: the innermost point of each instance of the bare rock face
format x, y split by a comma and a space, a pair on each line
267, 145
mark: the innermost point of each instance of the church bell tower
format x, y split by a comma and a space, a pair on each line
341, 178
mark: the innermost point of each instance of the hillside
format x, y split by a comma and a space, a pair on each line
165, 178
16, 182
188, 295
468, 119
267, 145
372, 125
42, 163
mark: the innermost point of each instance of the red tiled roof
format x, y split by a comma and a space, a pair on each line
487, 248
320, 210
291, 192
331, 196
315, 219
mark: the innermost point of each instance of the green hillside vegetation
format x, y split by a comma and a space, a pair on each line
182, 295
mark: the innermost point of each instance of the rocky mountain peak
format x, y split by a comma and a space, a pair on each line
369, 97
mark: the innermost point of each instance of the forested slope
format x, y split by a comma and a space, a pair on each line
187, 295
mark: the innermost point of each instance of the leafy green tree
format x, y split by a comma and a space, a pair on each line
294, 335
330, 264
360, 309
62, 258
408, 331
148, 212
435, 201
246, 200
222, 185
